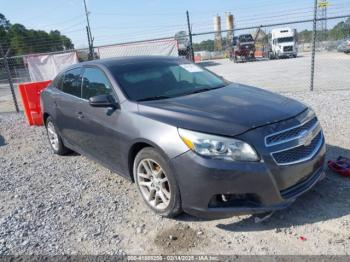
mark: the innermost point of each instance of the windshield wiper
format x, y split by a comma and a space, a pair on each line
204, 90
153, 98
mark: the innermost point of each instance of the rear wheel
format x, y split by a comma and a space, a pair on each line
156, 183
54, 138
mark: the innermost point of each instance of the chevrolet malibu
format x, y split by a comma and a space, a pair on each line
190, 140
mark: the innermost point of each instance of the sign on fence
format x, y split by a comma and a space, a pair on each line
160, 47
46, 67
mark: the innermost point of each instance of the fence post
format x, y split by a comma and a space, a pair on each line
190, 36
8, 72
314, 32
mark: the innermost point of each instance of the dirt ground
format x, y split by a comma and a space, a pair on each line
71, 205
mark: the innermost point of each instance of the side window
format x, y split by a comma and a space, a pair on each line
57, 82
95, 83
72, 82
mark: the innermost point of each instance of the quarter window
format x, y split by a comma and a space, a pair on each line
72, 82
95, 83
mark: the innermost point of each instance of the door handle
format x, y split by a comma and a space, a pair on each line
80, 115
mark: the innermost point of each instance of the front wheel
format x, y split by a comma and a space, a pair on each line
156, 183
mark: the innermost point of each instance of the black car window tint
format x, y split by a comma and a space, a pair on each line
72, 82
95, 83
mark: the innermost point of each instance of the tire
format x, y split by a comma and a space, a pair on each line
54, 138
235, 59
156, 182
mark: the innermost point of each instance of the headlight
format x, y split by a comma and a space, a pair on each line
218, 147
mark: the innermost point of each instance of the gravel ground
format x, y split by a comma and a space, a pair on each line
285, 75
70, 205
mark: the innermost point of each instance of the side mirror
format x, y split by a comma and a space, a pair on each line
103, 101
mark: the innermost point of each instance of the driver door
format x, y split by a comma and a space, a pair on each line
100, 136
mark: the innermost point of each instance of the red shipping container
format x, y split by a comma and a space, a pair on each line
30, 94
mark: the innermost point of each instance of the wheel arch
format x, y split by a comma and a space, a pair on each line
45, 117
136, 147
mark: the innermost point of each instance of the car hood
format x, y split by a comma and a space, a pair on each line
229, 111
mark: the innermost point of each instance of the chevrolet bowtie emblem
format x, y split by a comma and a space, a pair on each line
307, 136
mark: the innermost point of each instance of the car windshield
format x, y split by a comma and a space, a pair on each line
246, 38
163, 79
285, 39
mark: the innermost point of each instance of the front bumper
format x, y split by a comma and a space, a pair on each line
253, 186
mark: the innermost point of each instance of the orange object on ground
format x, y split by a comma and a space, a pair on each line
30, 94
197, 58
258, 53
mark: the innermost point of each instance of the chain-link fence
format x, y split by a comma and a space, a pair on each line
274, 56
14, 71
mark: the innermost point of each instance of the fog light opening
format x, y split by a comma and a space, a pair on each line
234, 200
225, 198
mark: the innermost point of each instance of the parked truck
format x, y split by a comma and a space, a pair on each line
283, 43
243, 48
183, 44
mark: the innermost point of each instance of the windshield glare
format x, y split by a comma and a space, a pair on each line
285, 39
159, 80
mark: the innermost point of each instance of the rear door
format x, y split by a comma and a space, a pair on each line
68, 107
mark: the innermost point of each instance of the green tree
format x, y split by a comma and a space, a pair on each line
25, 41
4, 27
206, 45
340, 31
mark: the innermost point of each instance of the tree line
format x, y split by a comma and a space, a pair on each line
21, 40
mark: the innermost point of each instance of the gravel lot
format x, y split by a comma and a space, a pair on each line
70, 205
288, 75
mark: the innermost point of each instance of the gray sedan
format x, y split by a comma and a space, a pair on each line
190, 140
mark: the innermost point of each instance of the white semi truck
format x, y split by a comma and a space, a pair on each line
284, 43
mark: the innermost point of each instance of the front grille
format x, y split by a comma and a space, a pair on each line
290, 134
299, 153
288, 48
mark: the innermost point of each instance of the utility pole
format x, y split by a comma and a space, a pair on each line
9, 78
313, 47
190, 36
89, 35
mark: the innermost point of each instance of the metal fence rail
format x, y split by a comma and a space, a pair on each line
301, 74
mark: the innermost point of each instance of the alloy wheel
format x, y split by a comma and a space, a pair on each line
153, 184
53, 137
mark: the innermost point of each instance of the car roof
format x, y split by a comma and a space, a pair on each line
108, 62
